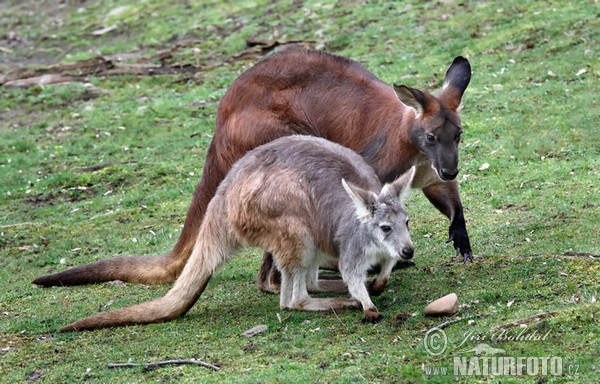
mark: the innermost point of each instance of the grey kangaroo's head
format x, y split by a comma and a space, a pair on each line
436, 129
384, 217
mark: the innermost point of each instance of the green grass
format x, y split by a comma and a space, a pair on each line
531, 112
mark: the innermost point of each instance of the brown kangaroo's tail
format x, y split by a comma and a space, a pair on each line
145, 270
156, 269
214, 246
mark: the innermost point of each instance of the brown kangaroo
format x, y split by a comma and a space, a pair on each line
318, 94
305, 200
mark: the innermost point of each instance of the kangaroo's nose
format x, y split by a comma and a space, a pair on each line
407, 252
449, 174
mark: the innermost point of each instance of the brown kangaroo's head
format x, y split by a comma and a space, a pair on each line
436, 128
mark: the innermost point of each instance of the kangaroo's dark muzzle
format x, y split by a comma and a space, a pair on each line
448, 174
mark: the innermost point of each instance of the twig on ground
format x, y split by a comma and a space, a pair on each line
336, 315
167, 362
94, 168
281, 319
102, 214
526, 320
446, 323
17, 225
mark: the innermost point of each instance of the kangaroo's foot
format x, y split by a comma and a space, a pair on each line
324, 304
329, 286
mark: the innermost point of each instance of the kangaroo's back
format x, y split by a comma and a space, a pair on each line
293, 182
318, 94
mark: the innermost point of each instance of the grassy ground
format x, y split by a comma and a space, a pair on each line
531, 113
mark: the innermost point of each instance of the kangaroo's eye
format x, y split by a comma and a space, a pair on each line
386, 228
430, 137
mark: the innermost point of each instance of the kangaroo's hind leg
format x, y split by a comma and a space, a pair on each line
299, 299
315, 284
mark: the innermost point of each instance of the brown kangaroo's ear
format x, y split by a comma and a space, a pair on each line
401, 187
412, 98
456, 81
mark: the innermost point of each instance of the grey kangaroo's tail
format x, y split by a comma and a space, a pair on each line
173, 305
213, 247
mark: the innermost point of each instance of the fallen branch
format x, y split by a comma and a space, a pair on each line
79, 69
64, 73
157, 364
566, 254
446, 323
526, 320
42, 80
82, 70
336, 315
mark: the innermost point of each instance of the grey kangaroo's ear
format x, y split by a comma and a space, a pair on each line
401, 187
456, 81
412, 98
363, 200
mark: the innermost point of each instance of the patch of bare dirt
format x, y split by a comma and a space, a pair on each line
401, 318
71, 195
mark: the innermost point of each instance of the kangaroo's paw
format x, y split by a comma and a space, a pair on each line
325, 304
372, 316
376, 287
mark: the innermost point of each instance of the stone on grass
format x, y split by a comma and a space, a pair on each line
446, 305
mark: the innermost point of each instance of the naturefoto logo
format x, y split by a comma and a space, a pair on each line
486, 360
490, 361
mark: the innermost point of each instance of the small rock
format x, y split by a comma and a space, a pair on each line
446, 305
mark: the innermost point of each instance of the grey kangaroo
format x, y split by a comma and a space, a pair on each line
305, 200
